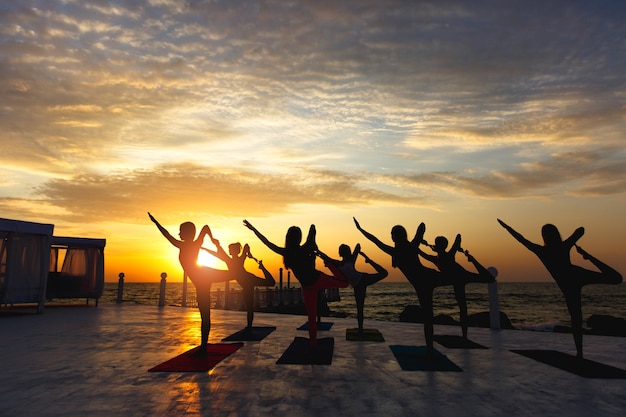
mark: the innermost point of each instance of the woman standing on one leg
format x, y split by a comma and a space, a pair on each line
445, 261
555, 256
404, 256
301, 260
235, 259
201, 276
359, 280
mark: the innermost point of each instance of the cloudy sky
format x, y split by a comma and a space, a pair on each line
453, 113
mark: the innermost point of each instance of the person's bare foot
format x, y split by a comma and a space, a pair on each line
201, 352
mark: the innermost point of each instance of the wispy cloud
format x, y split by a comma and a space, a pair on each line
586, 174
126, 197
277, 90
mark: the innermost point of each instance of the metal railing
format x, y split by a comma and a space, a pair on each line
233, 299
276, 297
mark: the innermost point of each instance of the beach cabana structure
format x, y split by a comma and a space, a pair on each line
24, 260
76, 268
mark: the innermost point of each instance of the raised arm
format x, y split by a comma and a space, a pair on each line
355, 253
310, 239
429, 257
245, 253
419, 234
212, 252
578, 233
164, 232
456, 246
479, 267
205, 231
263, 239
521, 239
219, 252
382, 246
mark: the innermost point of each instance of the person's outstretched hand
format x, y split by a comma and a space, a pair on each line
356, 223
583, 252
248, 225
152, 217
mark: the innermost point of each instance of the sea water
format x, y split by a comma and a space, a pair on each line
533, 306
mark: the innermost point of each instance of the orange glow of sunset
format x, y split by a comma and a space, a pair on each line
315, 112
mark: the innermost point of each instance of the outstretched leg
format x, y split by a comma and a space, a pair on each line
213, 275
482, 276
337, 280
269, 279
608, 275
380, 274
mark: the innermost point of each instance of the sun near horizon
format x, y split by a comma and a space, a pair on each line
143, 260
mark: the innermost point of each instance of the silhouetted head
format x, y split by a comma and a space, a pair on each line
293, 237
234, 249
551, 234
187, 231
398, 234
344, 250
441, 244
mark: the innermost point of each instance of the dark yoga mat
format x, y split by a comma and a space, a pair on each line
325, 325
191, 361
457, 342
367, 335
569, 363
415, 358
250, 334
299, 352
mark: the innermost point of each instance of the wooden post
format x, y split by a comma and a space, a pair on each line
162, 292
120, 288
280, 287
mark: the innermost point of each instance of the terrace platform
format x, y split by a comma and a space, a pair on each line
88, 361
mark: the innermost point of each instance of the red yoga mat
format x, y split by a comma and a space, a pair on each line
192, 361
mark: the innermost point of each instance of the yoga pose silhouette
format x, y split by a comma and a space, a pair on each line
404, 256
301, 260
555, 256
358, 280
201, 276
235, 259
460, 277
